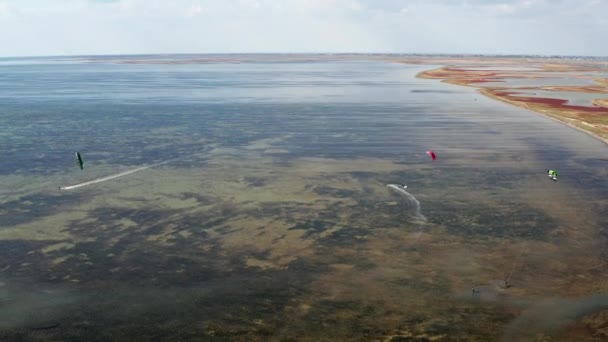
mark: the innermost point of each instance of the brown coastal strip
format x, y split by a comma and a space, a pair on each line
584, 89
558, 104
592, 120
601, 102
599, 132
602, 81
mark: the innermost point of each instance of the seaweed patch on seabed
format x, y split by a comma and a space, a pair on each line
333, 192
366, 214
21, 257
551, 317
31, 207
121, 243
205, 270
125, 256
248, 305
513, 220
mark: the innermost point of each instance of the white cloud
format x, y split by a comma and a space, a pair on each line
39, 27
194, 10
4, 9
514, 7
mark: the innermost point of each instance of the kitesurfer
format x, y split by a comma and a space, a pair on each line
552, 174
80, 161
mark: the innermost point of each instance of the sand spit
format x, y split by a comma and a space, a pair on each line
601, 102
592, 119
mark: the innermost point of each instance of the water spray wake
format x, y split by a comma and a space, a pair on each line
107, 178
412, 202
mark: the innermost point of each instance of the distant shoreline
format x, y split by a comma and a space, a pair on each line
592, 120
561, 120
309, 53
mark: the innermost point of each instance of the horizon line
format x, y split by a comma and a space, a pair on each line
425, 54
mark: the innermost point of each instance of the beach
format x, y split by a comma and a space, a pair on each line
497, 79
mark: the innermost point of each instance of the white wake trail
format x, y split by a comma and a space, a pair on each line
411, 201
107, 178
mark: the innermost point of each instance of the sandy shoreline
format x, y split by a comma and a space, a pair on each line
601, 102
591, 119
568, 122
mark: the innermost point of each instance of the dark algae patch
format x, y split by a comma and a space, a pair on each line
32, 207
481, 221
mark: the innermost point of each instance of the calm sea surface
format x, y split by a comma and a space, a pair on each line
258, 206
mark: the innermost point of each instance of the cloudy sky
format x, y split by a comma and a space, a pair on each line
73, 27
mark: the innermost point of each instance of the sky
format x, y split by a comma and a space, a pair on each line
93, 27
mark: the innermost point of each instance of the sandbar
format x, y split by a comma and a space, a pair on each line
500, 79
